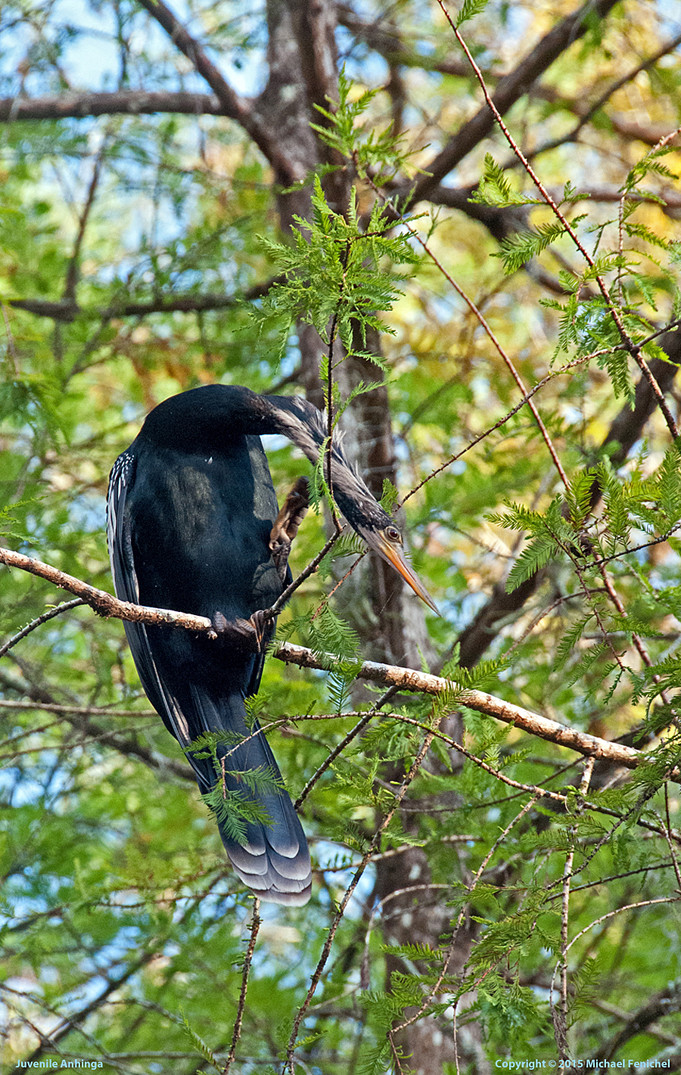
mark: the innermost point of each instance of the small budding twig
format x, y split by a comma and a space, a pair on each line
38, 622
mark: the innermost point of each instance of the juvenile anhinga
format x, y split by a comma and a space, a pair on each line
193, 526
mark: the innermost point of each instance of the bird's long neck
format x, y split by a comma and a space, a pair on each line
302, 423
201, 419
298, 420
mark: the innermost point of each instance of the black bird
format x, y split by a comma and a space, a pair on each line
193, 526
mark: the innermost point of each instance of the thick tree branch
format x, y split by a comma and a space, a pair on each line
409, 679
123, 102
102, 602
391, 675
510, 89
233, 106
66, 310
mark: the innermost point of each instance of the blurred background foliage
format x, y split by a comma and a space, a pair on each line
135, 256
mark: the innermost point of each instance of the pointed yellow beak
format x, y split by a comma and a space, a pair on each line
394, 555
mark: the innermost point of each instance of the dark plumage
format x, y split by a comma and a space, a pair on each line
193, 526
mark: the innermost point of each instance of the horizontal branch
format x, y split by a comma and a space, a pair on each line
188, 302
392, 675
102, 602
488, 704
123, 102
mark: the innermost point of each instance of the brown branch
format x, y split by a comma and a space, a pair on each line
248, 959
408, 679
391, 675
73, 269
123, 102
622, 126
102, 602
67, 310
665, 1003
233, 106
510, 89
38, 622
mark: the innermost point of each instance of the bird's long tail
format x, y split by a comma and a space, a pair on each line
269, 852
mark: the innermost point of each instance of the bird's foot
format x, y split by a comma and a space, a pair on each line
246, 634
286, 525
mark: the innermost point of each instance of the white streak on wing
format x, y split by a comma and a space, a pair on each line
176, 715
126, 584
117, 539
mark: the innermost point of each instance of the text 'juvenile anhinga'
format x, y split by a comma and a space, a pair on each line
193, 526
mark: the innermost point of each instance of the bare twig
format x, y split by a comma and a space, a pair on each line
12, 356
304, 574
560, 1013
502, 421
75, 710
73, 268
527, 396
506, 358
620, 910
38, 621
404, 787
586, 115
340, 747
248, 959
435, 988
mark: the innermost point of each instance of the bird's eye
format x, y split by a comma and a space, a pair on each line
392, 533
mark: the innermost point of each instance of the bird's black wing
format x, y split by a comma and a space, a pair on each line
126, 587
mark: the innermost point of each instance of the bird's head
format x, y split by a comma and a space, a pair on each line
376, 527
307, 427
387, 542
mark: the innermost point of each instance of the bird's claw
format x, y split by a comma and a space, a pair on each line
286, 525
247, 634
259, 622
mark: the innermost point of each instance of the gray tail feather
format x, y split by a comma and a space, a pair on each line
273, 860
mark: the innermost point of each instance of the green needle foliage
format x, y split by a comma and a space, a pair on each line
494, 886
